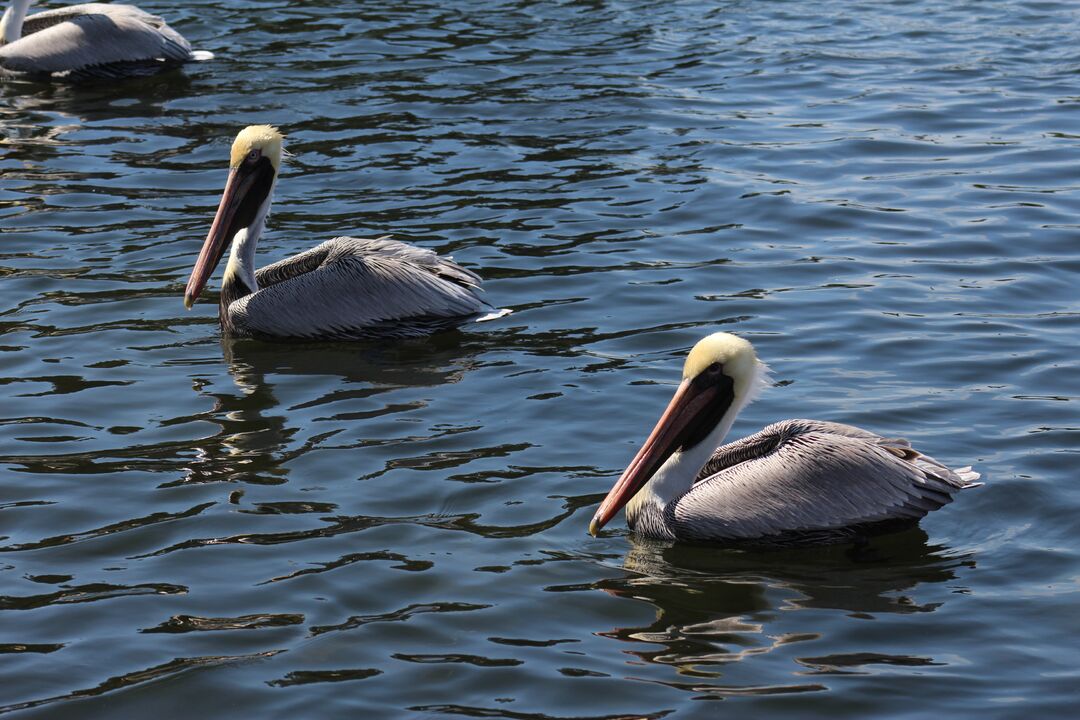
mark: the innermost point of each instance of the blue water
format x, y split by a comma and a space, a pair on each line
883, 197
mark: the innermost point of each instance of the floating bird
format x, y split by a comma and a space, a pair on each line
92, 40
796, 482
344, 289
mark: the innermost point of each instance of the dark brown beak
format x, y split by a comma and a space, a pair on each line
695, 403
218, 237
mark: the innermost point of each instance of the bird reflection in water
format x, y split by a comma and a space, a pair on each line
258, 435
33, 110
717, 607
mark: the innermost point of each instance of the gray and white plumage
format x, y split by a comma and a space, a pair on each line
354, 288
796, 482
344, 289
799, 482
91, 40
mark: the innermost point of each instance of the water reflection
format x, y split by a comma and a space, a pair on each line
258, 435
90, 102
716, 607
425, 362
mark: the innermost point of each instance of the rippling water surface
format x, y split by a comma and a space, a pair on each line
882, 196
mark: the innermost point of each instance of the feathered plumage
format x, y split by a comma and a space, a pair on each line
344, 289
799, 482
91, 40
796, 482
354, 288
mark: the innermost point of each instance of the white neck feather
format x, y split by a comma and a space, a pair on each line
11, 24
242, 253
676, 476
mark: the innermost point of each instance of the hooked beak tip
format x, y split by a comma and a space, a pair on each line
594, 527
188, 302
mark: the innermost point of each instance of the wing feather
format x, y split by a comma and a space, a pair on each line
353, 288
97, 35
808, 477
294, 266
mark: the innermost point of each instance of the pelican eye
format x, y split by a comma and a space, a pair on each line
714, 370
254, 155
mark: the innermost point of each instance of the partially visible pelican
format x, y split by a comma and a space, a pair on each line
797, 482
344, 289
92, 40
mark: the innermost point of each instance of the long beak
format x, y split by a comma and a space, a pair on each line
214, 247
682, 413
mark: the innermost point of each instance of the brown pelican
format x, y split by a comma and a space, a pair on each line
92, 40
796, 482
345, 289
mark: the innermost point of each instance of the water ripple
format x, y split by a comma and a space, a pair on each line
883, 198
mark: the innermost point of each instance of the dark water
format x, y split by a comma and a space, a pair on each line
882, 196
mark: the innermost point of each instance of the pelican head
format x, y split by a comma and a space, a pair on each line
721, 374
253, 167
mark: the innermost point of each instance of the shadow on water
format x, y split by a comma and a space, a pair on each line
98, 100
256, 435
718, 607
440, 359
59, 132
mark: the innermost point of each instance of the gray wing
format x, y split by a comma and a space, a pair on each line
807, 477
294, 266
47, 18
351, 288
92, 35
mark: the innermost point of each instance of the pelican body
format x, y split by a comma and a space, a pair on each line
344, 289
796, 482
91, 40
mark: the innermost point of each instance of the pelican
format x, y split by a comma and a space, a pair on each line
344, 289
92, 40
796, 482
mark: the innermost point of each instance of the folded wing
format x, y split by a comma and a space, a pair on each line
97, 36
351, 288
801, 479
